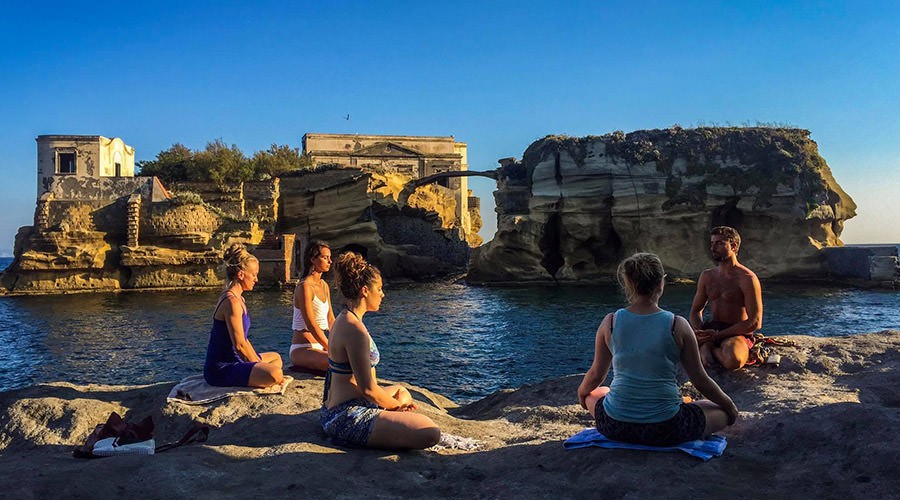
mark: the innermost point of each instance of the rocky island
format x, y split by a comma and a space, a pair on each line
821, 425
574, 207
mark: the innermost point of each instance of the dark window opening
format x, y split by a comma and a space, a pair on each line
65, 163
118, 169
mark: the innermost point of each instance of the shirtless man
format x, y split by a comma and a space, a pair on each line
735, 298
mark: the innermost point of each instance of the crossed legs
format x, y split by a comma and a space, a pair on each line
310, 358
716, 418
403, 429
732, 353
267, 372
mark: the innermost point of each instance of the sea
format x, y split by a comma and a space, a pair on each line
462, 341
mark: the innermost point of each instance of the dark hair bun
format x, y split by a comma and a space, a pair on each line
353, 273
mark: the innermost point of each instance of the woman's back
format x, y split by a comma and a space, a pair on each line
645, 358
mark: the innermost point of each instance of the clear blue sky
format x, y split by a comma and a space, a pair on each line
496, 75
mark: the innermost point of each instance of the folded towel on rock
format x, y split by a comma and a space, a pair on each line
194, 390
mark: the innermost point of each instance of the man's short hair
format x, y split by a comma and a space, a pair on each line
731, 235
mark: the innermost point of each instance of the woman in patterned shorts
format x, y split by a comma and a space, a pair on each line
355, 409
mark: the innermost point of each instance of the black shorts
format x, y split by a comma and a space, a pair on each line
687, 425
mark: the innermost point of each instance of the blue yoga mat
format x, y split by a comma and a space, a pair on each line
703, 449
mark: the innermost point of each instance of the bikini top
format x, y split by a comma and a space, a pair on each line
344, 368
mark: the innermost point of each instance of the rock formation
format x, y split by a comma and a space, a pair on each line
574, 207
133, 233
822, 423
359, 210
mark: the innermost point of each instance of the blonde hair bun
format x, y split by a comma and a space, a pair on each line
236, 257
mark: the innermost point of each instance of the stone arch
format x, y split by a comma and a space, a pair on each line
442, 178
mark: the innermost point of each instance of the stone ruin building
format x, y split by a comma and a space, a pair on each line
97, 226
416, 157
89, 156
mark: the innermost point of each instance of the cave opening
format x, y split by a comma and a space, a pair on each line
549, 245
728, 215
608, 251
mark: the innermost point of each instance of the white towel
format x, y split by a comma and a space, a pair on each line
109, 447
455, 442
194, 390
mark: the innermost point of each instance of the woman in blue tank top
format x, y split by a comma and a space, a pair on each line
230, 358
644, 345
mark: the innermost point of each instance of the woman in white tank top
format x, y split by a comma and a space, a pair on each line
313, 316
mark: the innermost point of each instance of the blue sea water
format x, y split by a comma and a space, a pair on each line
461, 341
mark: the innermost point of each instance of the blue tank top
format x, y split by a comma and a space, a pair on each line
644, 359
220, 349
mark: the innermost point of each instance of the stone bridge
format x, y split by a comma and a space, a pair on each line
412, 185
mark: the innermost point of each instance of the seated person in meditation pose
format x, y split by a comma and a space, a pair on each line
230, 358
313, 316
356, 410
734, 296
644, 345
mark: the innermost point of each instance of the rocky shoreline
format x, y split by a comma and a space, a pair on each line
822, 423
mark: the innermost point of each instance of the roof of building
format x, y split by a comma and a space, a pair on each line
441, 138
68, 137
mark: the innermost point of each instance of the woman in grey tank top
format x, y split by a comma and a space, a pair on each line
644, 343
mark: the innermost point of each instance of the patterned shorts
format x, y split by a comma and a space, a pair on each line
687, 425
350, 423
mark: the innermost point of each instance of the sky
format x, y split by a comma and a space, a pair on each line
496, 75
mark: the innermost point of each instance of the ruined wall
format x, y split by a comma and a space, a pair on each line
261, 199
574, 207
420, 232
229, 199
95, 157
179, 226
429, 145
410, 156
109, 234
475, 222
351, 208
389, 189
114, 233
85, 148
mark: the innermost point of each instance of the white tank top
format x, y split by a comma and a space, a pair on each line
320, 315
